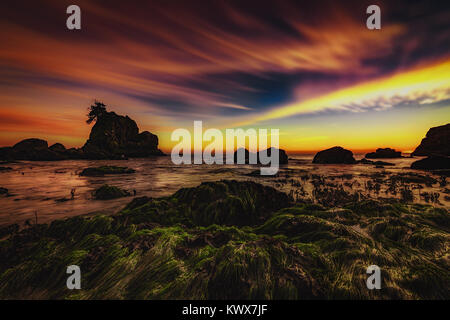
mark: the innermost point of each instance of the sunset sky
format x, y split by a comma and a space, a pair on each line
309, 68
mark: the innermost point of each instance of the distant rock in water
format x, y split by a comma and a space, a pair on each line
106, 192
375, 163
282, 156
381, 153
335, 155
432, 163
58, 147
101, 171
436, 142
31, 149
112, 137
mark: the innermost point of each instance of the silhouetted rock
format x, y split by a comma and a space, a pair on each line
5, 169
112, 137
30, 149
117, 137
335, 155
436, 142
375, 163
31, 144
432, 163
283, 158
58, 147
101, 171
3, 190
381, 153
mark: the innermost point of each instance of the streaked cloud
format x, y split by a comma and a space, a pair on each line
226, 62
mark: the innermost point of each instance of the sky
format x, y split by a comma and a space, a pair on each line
308, 68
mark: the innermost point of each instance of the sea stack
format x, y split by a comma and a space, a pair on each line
115, 137
335, 155
112, 137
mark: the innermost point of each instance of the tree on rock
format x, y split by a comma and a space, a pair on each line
95, 112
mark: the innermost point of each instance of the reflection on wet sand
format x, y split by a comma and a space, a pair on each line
45, 188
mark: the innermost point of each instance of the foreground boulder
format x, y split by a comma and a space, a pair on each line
335, 155
436, 142
432, 163
382, 153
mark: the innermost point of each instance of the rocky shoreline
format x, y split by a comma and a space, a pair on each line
112, 137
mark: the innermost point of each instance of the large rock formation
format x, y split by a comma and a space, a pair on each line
432, 163
335, 155
382, 153
436, 142
112, 137
115, 137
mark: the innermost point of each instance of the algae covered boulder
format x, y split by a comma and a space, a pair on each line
335, 155
107, 192
105, 170
230, 202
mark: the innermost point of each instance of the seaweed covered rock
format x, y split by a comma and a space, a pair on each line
335, 155
105, 170
435, 143
224, 203
382, 153
107, 192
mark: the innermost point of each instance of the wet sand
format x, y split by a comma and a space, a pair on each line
38, 187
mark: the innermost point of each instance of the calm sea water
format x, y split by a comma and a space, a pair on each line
36, 187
